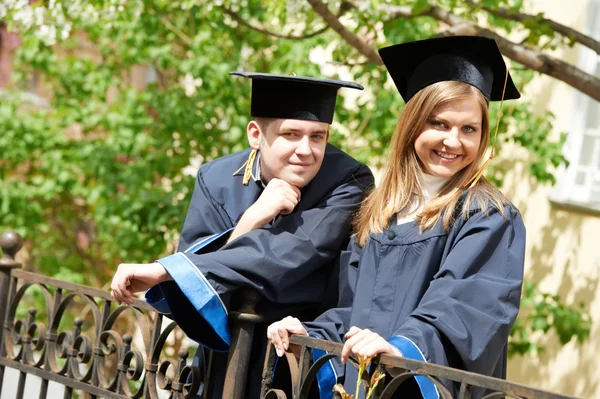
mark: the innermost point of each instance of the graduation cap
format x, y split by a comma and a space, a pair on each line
471, 59
294, 97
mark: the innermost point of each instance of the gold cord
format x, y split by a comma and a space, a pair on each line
248, 166
493, 153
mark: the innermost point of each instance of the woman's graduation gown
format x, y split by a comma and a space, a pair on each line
448, 298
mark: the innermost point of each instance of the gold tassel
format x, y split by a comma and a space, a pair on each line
248, 166
481, 171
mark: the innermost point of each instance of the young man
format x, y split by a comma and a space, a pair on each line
273, 217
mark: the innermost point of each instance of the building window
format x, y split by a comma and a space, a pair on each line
580, 184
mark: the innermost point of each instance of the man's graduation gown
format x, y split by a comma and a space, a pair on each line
448, 298
287, 261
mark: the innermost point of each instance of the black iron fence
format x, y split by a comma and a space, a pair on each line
113, 351
93, 354
304, 374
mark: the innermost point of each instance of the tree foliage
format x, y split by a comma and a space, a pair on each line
138, 94
542, 313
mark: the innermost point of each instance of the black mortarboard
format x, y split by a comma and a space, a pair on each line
294, 97
471, 59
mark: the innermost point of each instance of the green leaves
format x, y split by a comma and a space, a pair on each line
542, 312
98, 171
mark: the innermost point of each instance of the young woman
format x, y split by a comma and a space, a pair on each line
434, 270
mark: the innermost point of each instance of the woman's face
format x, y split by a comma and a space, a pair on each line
450, 138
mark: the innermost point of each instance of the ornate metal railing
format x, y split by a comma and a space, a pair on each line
101, 353
304, 374
113, 351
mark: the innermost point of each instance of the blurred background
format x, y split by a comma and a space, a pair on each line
108, 108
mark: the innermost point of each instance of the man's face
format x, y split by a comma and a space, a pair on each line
290, 149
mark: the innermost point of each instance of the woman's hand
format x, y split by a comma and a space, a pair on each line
367, 344
279, 333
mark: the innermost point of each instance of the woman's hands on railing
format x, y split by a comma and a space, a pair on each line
367, 344
361, 342
136, 277
279, 333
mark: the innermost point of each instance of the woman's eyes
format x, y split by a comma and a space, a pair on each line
442, 125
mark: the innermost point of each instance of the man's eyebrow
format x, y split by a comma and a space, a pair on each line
293, 129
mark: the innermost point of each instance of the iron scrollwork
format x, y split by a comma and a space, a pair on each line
93, 354
304, 373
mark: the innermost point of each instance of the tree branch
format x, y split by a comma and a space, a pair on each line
71, 241
185, 38
241, 21
352, 39
348, 64
531, 58
566, 31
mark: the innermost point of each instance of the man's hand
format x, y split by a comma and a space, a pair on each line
278, 198
135, 277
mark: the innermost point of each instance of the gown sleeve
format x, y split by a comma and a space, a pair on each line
465, 316
334, 323
278, 262
205, 228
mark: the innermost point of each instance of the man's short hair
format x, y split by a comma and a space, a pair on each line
263, 122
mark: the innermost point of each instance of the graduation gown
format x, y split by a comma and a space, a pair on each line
448, 298
286, 261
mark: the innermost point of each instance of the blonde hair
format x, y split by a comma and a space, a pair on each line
400, 179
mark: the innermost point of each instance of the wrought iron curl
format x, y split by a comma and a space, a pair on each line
311, 374
500, 395
164, 382
110, 342
34, 340
73, 347
275, 394
142, 319
58, 348
267, 375
29, 335
395, 383
14, 338
80, 353
127, 371
186, 379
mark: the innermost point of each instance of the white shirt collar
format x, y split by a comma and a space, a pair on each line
257, 174
431, 185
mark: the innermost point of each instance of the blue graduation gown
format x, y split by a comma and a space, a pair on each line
448, 298
287, 261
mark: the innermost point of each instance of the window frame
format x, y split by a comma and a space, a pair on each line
567, 192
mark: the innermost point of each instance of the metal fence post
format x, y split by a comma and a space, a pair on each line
242, 334
11, 243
